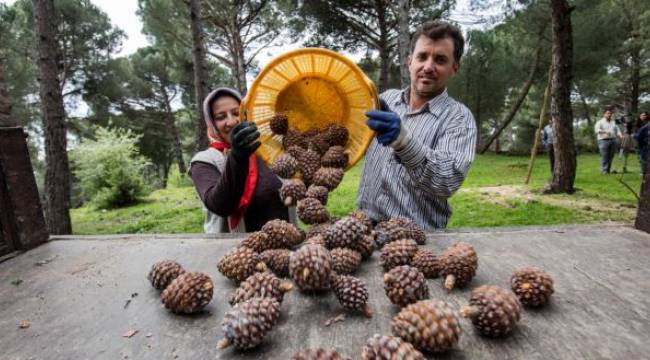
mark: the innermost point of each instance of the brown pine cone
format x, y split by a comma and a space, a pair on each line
260, 285
240, 263
352, 293
188, 293
246, 325
405, 285
311, 267
164, 272
427, 261
345, 261
386, 347
494, 311
318, 354
458, 265
430, 325
398, 253
532, 286
277, 260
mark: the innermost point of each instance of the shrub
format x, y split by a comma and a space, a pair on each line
177, 180
110, 168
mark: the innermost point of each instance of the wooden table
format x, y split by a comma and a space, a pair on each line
78, 296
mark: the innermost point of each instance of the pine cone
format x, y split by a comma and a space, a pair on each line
282, 234
427, 261
328, 177
364, 218
413, 230
345, 261
277, 260
308, 164
494, 311
311, 211
365, 246
335, 157
256, 241
388, 231
352, 293
386, 347
429, 325
458, 265
164, 272
292, 191
248, 322
337, 135
319, 193
188, 293
398, 253
285, 166
405, 285
293, 138
240, 263
260, 285
318, 354
311, 267
532, 286
347, 232
279, 124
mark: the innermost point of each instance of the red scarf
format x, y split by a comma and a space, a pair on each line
249, 189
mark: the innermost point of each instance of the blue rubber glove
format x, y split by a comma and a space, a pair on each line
386, 123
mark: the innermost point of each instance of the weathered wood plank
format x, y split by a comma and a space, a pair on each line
76, 302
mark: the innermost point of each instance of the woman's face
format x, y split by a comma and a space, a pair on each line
225, 114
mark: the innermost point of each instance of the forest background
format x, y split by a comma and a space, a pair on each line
131, 122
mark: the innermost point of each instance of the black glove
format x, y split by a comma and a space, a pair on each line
244, 141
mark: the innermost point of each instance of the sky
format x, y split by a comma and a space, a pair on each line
123, 15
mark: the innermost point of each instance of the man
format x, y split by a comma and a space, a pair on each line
548, 140
643, 139
425, 140
607, 133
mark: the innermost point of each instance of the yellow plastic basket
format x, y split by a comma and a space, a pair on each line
313, 87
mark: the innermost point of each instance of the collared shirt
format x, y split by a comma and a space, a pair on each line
606, 130
416, 180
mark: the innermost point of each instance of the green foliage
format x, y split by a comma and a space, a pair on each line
110, 168
178, 210
177, 180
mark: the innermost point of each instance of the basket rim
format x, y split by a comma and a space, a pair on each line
311, 50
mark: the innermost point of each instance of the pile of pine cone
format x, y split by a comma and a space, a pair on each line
313, 164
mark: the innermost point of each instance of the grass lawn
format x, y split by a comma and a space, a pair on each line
492, 195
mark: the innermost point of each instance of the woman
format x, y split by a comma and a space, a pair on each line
239, 192
642, 136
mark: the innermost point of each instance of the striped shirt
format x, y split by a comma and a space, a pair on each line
416, 180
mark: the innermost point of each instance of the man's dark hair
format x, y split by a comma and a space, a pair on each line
436, 30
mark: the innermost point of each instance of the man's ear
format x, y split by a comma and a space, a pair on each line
456, 67
408, 60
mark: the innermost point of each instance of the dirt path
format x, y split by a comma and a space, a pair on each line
500, 195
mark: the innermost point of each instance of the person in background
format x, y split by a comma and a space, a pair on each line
641, 148
239, 192
548, 141
642, 136
425, 140
608, 134
627, 142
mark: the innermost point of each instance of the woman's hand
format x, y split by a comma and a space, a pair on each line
245, 140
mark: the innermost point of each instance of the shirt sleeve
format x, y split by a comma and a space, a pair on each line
220, 192
440, 171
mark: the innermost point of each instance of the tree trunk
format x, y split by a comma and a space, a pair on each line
200, 85
522, 96
404, 40
634, 38
5, 103
565, 153
239, 62
384, 46
57, 173
173, 131
643, 212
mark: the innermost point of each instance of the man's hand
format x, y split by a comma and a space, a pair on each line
386, 123
244, 141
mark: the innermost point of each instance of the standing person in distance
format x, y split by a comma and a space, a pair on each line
425, 140
608, 134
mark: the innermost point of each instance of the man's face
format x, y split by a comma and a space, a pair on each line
431, 66
608, 114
